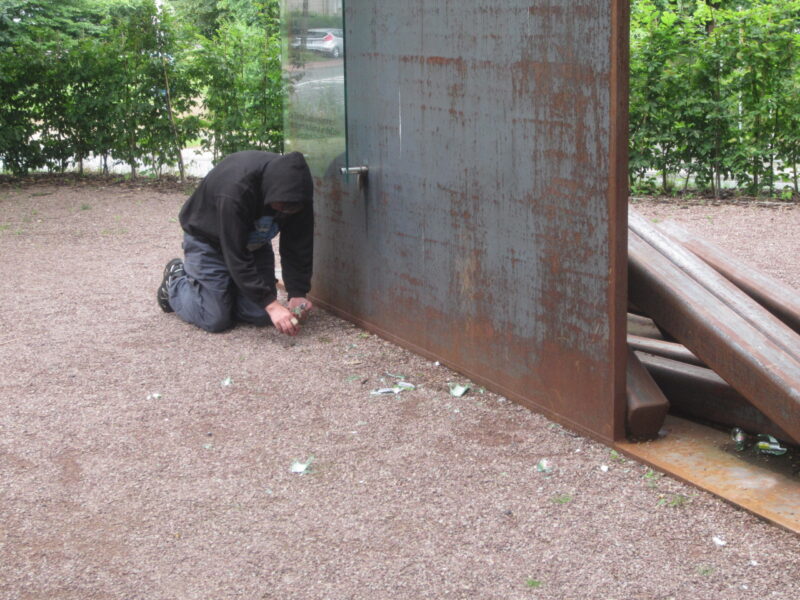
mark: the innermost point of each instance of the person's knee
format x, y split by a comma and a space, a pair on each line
217, 324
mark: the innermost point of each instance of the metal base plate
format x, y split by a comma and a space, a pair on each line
768, 486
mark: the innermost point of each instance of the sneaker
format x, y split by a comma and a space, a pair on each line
173, 269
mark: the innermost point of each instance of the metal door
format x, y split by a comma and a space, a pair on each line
490, 230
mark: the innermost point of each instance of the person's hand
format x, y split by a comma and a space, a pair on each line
282, 318
300, 307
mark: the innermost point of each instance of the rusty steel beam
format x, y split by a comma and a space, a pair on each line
755, 314
780, 299
747, 359
700, 393
663, 348
643, 327
647, 405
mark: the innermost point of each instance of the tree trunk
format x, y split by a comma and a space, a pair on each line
771, 174
178, 149
132, 156
756, 182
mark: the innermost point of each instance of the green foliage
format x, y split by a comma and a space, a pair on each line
31, 22
149, 90
200, 15
714, 91
244, 86
313, 21
674, 501
562, 499
124, 78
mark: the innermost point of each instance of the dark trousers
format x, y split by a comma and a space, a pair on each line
207, 296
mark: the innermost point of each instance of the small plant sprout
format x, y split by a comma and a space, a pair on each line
227, 382
562, 499
651, 477
533, 583
616, 456
674, 501
544, 466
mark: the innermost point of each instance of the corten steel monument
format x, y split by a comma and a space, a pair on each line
489, 231
471, 202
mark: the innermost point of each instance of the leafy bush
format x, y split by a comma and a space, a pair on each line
127, 80
715, 88
240, 66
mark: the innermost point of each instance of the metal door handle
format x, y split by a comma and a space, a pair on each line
355, 170
359, 172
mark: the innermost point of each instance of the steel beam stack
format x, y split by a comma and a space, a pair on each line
737, 360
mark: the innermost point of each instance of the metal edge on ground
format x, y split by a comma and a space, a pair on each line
705, 458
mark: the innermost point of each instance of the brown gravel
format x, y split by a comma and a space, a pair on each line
129, 470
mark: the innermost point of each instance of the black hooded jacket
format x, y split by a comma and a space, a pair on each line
223, 209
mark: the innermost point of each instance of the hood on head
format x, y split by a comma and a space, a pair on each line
287, 178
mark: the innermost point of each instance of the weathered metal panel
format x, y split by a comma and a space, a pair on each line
491, 231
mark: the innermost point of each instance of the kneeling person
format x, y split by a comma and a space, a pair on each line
228, 270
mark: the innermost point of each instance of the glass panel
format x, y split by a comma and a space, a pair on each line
313, 59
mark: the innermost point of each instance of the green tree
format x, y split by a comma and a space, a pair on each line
714, 90
201, 15
765, 68
149, 88
36, 39
660, 98
244, 88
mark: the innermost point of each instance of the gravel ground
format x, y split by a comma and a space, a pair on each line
131, 470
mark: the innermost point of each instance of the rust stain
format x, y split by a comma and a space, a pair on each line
414, 281
588, 10
456, 114
444, 61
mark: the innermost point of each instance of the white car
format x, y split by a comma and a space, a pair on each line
324, 41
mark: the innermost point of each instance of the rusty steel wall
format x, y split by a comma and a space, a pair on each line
491, 231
